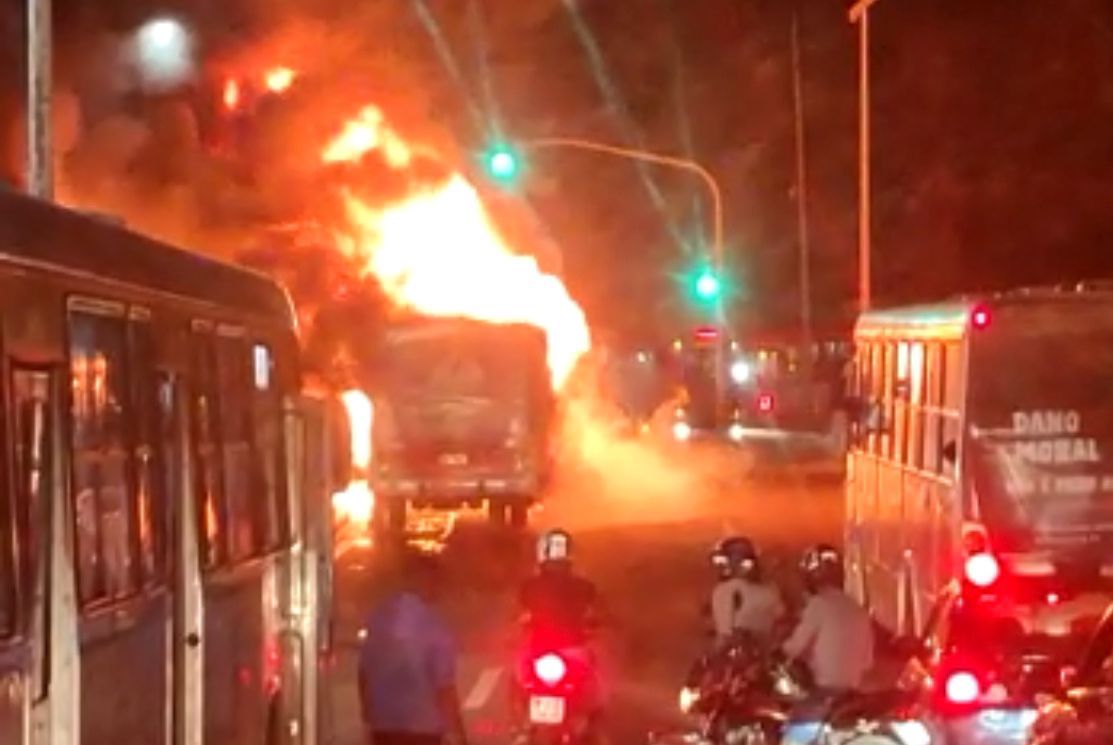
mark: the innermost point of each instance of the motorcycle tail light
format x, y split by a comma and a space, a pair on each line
982, 570
962, 687
550, 669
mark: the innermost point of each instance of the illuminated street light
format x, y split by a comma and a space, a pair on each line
740, 372
502, 164
163, 50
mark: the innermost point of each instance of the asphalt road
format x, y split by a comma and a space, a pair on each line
642, 531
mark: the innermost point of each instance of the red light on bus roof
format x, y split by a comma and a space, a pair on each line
982, 570
980, 317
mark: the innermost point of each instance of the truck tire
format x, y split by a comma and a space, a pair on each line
496, 512
519, 515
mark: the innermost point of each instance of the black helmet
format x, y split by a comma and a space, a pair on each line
734, 556
822, 567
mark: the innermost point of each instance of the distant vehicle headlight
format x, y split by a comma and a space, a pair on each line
682, 431
736, 432
741, 372
689, 697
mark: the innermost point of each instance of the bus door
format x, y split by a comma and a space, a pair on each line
119, 520
37, 611
23, 522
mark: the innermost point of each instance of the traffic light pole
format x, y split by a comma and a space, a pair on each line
684, 164
40, 158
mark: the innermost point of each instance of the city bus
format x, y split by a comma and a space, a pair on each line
163, 522
981, 451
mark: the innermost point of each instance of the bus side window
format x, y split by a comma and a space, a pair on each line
212, 517
268, 445
102, 491
952, 405
233, 362
889, 371
933, 405
150, 478
916, 416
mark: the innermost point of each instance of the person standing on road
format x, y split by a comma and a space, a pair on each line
407, 665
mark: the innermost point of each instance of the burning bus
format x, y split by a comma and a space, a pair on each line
463, 416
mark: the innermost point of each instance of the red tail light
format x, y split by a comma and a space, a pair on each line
962, 687
980, 317
982, 570
550, 669
766, 403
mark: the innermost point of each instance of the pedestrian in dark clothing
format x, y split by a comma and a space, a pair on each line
407, 665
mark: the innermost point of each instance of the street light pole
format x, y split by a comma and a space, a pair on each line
859, 14
40, 156
670, 161
684, 164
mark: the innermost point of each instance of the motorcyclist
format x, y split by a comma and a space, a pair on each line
835, 634
560, 612
741, 601
556, 601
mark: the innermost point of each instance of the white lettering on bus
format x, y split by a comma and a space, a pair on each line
1047, 422
1058, 451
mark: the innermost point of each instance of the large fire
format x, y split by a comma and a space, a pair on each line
438, 252
356, 503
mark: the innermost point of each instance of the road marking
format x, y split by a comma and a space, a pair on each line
480, 693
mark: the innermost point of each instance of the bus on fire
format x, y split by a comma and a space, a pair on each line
164, 527
982, 453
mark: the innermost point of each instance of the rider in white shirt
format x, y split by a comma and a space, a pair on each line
835, 635
741, 601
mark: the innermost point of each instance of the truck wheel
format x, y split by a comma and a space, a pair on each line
496, 512
396, 517
519, 515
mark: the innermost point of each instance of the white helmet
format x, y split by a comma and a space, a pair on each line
554, 545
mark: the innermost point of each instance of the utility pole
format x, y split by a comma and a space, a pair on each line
859, 14
801, 186
40, 151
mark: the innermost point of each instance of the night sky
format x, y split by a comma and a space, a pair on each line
992, 118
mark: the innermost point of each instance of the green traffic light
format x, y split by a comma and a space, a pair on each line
502, 164
708, 285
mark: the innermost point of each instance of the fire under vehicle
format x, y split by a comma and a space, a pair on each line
463, 416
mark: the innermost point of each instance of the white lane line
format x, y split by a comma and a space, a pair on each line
480, 693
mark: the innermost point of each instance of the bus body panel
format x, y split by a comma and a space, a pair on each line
122, 699
235, 702
15, 684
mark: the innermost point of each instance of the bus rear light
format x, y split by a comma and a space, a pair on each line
982, 570
980, 318
962, 687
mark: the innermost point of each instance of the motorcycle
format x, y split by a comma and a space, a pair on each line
559, 692
744, 694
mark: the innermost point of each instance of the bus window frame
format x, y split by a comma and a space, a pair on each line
145, 416
84, 306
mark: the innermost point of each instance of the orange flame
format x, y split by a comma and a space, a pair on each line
438, 252
279, 79
366, 133
231, 94
356, 503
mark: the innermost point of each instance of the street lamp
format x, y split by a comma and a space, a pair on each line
709, 286
163, 50
859, 14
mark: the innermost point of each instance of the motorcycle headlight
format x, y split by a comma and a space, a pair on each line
689, 697
682, 431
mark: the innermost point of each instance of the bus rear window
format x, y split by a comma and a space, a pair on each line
1041, 414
